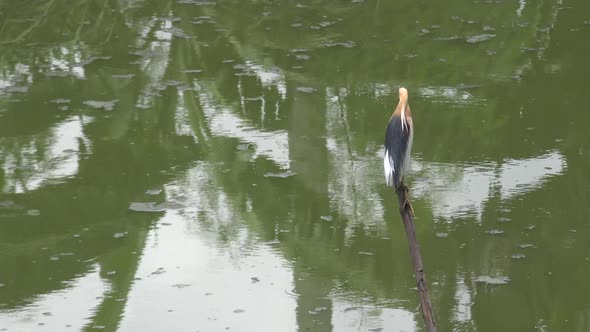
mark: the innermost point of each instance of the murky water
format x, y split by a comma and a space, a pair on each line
197, 165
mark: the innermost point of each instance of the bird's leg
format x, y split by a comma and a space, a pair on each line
407, 203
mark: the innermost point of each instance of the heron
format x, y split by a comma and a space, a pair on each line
399, 136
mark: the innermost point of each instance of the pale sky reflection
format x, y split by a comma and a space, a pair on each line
71, 308
27, 171
346, 316
456, 190
222, 122
215, 287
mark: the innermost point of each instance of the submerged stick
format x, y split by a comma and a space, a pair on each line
425, 304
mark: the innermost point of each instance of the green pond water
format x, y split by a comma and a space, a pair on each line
202, 165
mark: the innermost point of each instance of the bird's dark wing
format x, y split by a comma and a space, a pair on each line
396, 145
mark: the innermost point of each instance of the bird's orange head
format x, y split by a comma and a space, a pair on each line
403, 95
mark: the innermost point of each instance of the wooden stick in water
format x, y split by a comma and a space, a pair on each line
425, 304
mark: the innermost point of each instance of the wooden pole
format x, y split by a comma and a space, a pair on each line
425, 303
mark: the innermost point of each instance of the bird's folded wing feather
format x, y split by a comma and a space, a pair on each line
396, 143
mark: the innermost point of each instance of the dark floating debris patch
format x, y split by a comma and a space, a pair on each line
259, 98
10, 205
169, 18
12, 100
180, 286
345, 44
142, 53
191, 71
146, 207
352, 309
518, 256
185, 88
60, 101
494, 232
300, 50
176, 32
241, 66
123, 76
497, 280
317, 310
108, 105
196, 2
423, 32
480, 38
90, 60
305, 89
450, 38
172, 83
172, 205
325, 24
243, 146
280, 175
21, 89
203, 19
292, 293
468, 86
239, 311
33, 213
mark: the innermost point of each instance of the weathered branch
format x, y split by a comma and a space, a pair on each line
425, 303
